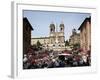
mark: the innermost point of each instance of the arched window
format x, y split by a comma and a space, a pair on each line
61, 29
51, 30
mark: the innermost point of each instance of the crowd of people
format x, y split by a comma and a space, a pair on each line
55, 59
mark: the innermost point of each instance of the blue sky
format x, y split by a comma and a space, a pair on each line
40, 21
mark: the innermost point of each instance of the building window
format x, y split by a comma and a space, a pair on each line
61, 29
51, 30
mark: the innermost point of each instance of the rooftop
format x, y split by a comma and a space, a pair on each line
86, 19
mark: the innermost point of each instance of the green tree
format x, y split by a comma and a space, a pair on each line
66, 43
39, 44
77, 45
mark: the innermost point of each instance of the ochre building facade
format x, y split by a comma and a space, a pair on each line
85, 34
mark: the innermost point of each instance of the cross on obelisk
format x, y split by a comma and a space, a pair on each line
56, 34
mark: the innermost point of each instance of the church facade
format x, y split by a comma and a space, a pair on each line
55, 40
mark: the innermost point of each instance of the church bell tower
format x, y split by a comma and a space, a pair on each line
52, 27
61, 27
61, 37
